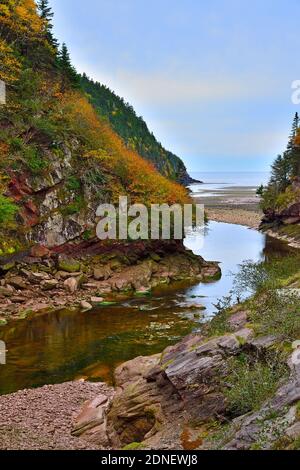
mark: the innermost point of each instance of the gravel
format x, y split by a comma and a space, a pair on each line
41, 419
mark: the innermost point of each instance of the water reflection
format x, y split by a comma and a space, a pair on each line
68, 344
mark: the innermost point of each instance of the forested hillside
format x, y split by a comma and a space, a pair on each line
59, 157
281, 197
133, 129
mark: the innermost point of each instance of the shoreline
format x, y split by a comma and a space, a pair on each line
247, 217
235, 216
95, 280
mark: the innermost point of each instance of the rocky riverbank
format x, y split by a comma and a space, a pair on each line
182, 398
237, 216
42, 418
194, 395
90, 276
233, 385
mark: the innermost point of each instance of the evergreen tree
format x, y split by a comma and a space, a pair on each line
69, 76
46, 14
280, 173
293, 151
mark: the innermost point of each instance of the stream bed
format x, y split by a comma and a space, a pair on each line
68, 344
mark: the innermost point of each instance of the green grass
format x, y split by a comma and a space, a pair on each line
275, 313
134, 446
7, 210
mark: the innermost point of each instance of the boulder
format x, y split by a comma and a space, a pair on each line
39, 251
133, 370
237, 320
91, 421
71, 284
102, 273
49, 284
186, 380
17, 282
85, 306
6, 291
69, 265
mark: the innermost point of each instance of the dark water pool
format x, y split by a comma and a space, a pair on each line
67, 344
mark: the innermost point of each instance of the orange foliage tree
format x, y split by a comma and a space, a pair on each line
138, 177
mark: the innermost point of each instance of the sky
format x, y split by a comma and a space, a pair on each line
212, 79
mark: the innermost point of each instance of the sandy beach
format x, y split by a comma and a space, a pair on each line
234, 205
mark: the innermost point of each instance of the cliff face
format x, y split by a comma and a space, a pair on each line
57, 182
61, 158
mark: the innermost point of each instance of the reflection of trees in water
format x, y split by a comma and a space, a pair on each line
275, 248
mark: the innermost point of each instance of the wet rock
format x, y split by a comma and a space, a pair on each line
85, 306
6, 292
97, 300
17, 282
196, 307
102, 273
69, 265
49, 284
71, 284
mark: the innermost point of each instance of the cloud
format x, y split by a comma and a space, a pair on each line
173, 88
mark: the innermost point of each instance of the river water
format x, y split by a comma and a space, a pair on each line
68, 344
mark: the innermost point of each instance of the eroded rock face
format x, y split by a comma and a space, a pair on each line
289, 215
184, 383
159, 398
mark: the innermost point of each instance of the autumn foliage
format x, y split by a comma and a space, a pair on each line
138, 177
46, 115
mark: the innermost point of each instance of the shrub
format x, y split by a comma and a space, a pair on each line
7, 210
34, 160
249, 385
73, 183
277, 312
254, 277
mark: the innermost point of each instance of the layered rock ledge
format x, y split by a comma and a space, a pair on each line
90, 274
177, 399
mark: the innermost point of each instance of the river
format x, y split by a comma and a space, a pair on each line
68, 344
